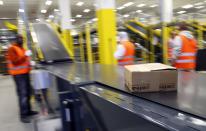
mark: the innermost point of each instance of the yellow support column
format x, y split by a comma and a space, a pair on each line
200, 36
66, 24
69, 40
106, 31
152, 48
88, 43
165, 38
81, 47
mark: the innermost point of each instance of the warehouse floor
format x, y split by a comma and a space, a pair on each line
9, 120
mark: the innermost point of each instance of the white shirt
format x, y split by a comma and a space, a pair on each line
120, 52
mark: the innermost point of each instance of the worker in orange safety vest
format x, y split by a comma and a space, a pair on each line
125, 50
184, 49
19, 67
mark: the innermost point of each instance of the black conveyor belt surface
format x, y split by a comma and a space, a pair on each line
49, 43
189, 98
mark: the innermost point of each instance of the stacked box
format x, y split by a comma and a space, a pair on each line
151, 77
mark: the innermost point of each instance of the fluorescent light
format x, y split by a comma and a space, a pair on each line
56, 10
139, 11
74, 32
155, 5
181, 12
72, 20
128, 4
80, 3
20, 21
141, 5
78, 16
95, 19
126, 15
48, 2
51, 16
120, 8
37, 19
200, 3
43, 11
48, 20
87, 10
199, 7
21, 10
187, 6
1, 2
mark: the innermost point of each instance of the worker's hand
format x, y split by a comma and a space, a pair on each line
28, 53
32, 63
172, 61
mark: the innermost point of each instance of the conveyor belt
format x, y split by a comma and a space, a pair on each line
189, 98
49, 43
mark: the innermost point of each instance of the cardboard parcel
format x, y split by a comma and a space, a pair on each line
151, 77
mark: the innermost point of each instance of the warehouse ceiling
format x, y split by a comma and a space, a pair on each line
9, 8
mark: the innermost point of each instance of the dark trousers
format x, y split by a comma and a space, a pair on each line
23, 88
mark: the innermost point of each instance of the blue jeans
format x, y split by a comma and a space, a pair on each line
23, 89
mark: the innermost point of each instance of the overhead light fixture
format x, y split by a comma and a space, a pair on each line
155, 5
120, 8
48, 20
20, 21
139, 11
21, 10
126, 15
43, 11
187, 6
94, 19
181, 12
72, 20
56, 10
78, 16
1, 2
200, 3
141, 5
87, 10
199, 7
37, 19
128, 4
51, 16
74, 32
80, 3
48, 2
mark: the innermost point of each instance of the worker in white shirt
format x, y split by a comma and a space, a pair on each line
125, 50
171, 43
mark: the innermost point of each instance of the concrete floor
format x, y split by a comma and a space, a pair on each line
9, 120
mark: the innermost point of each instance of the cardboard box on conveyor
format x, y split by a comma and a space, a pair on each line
151, 77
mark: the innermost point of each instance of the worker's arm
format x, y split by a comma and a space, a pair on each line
14, 57
177, 46
120, 52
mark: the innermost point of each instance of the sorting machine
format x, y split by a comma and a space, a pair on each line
93, 97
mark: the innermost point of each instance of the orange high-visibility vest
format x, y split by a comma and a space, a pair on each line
128, 58
187, 58
170, 49
22, 67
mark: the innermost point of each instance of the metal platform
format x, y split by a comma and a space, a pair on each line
184, 109
49, 42
189, 98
